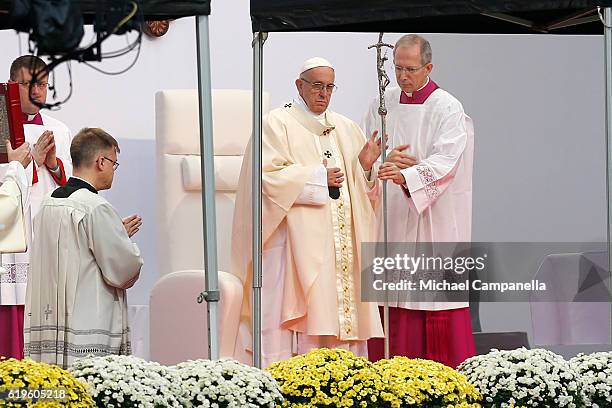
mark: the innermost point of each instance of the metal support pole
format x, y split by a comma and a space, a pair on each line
211, 293
608, 81
258, 42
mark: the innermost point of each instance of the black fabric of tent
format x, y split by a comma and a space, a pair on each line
436, 16
160, 9
152, 9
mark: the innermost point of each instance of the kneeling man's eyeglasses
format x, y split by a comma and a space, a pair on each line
115, 163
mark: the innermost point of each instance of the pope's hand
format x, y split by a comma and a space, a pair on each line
370, 152
335, 177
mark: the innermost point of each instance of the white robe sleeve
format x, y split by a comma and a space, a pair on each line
62, 144
117, 256
370, 180
5, 168
16, 173
14, 191
283, 179
371, 120
430, 178
315, 191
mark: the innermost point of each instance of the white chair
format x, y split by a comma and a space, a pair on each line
575, 309
178, 328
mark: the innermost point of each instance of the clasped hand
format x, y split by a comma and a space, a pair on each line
132, 224
395, 162
44, 150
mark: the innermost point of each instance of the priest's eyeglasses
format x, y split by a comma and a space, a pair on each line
318, 86
39, 85
115, 163
409, 70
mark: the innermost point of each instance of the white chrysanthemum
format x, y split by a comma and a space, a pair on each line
522, 377
205, 383
126, 381
595, 377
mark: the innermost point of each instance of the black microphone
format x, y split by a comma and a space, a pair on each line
334, 192
329, 160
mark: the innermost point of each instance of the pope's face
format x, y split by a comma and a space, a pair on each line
315, 86
410, 72
39, 91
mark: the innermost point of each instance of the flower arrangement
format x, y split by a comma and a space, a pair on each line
522, 377
330, 378
22, 382
227, 383
127, 381
595, 371
425, 383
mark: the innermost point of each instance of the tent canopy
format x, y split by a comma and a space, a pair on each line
436, 16
153, 9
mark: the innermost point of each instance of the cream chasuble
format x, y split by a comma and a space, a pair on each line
81, 265
311, 259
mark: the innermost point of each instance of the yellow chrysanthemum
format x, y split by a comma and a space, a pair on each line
328, 377
26, 377
337, 378
417, 382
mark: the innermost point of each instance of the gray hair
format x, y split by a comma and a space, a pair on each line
414, 39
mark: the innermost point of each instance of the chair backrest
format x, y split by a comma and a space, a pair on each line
575, 307
178, 324
180, 236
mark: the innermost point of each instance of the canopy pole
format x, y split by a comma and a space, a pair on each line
607, 22
211, 293
258, 41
